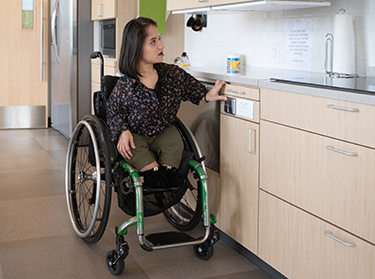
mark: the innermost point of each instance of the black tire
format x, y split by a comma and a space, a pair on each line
186, 214
118, 267
87, 166
203, 253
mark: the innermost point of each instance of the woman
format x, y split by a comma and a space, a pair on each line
143, 105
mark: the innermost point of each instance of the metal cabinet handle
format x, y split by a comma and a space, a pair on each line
238, 92
342, 108
250, 131
342, 152
41, 41
329, 234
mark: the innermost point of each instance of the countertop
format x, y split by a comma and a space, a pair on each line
358, 90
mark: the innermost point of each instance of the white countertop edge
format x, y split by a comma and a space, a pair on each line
356, 97
226, 77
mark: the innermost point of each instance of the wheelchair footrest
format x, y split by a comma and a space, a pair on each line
167, 238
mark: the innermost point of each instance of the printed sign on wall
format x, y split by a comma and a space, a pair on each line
298, 41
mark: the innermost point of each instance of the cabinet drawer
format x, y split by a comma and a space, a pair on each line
241, 91
343, 120
294, 242
311, 172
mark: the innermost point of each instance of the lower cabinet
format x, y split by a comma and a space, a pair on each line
300, 245
239, 165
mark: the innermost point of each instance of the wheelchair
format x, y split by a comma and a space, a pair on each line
94, 169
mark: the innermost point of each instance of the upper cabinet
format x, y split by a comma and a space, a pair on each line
190, 4
243, 5
222, 2
184, 4
103, 9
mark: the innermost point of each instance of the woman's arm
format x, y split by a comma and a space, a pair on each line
116, 120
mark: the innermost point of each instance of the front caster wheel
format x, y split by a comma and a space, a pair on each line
202, 252
115, 263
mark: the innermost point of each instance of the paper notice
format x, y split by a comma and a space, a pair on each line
298, 41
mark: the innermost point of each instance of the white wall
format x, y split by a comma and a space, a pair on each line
254, 34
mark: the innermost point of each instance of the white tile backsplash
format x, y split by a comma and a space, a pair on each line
254, 34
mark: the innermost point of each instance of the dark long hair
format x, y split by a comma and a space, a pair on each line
133, 38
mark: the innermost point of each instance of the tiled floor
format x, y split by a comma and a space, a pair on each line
38, 241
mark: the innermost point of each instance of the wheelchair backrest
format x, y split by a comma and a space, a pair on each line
100, 97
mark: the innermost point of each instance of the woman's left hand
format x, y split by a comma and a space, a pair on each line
213, 94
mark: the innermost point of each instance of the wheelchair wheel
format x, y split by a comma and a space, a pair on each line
88, 172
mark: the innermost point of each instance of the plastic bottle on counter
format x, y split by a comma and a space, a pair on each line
185, 62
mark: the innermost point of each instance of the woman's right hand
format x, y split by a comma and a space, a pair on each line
125, 143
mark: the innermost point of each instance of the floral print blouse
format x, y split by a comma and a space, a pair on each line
135, 107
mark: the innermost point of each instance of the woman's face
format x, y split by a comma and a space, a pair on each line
152, 47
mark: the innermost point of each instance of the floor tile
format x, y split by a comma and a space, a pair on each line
252, 274
26, 219
1, 272
45, 132
59, 157
16, 162
14, 133
53, 142
32, 184
19, 145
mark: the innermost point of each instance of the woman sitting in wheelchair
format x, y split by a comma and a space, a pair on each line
144, 103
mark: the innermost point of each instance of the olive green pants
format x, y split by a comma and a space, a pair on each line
165, 148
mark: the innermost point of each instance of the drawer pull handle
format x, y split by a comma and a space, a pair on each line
251, 152
238, 92
329, 234
342, 152
345, 109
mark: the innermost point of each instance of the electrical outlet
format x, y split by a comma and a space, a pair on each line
275, 53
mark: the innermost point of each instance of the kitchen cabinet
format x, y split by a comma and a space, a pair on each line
299, 245
239, 172
190, 4
316, 175
222, 2
184, 4
103, 9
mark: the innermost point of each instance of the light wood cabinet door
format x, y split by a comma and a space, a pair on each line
339, 119
311, 171
295, 243
239, 161
103, 9
184, 4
